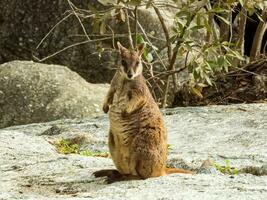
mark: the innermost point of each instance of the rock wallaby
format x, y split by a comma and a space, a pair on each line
137, 135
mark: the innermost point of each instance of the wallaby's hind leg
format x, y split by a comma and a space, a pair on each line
114, 175
106, 172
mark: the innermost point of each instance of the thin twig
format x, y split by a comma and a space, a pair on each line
249, 72
150, 43
153, 79
230, 27
166, 31
50, 31
258, 37
241, 31
78, 18
136, 25
264, 48
167, 73
113, 37
130, 39
186, 59
70, 46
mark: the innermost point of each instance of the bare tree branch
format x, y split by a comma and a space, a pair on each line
241, 31
150, 43
136, 25
258, 37
50, 31
70, 46
74, 12
166, 31
130, 39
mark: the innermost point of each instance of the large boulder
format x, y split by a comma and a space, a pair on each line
32, 168
33, 92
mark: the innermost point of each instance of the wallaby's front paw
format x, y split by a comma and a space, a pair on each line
105, 108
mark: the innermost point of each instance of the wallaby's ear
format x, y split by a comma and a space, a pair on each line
140, 48
120, 47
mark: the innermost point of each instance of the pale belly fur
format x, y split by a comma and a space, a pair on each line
122, 134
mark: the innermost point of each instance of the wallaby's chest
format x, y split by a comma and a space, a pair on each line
123, 125
121, 94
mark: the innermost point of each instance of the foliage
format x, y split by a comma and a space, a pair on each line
210, 54
203, 34
65, 146
169, 147
94, 154
227, 169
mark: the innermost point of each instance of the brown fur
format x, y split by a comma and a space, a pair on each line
137, 136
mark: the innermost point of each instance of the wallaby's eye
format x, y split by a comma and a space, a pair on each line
124, 64
137, 63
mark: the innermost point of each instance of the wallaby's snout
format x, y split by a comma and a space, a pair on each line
130, 75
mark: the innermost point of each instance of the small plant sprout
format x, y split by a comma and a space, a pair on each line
227, 169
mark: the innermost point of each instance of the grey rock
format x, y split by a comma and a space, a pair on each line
31, 168
33, 92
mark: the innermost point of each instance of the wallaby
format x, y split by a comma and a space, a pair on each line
137, 135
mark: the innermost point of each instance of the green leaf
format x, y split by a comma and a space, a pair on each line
235, 171
207, 25
169, 146
197, 27
196, 92
140, 40
198, 19
96, 24
235, 54
93, 9
223, 19
107, 2
173, 38
207, 78
182, 13
135, 2
102, 28
259, 17
251, 11
180, 23
86, 153
202, 85
190, 68
218, 10
241, 2
227, 163
196, 74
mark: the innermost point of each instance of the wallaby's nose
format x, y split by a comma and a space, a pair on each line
129, 75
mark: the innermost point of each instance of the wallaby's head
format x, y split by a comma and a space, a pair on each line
130, 64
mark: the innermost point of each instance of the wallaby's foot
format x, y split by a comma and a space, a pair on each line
105, 108
114, 176
106, 172
111, 174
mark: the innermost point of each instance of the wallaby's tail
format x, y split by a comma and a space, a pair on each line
176, 170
